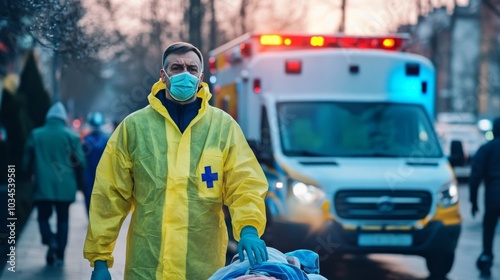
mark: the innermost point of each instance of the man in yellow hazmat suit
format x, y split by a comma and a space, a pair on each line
173, 164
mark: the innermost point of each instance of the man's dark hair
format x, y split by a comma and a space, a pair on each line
180, 48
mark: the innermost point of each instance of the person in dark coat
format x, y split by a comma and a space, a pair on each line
53, 153
93, 147
486, 168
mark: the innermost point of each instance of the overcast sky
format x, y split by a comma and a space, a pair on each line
365, 17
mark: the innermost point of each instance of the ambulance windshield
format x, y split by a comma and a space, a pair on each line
356, 129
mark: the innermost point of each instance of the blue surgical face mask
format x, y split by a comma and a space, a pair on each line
183, 86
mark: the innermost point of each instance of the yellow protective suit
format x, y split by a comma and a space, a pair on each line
175, 184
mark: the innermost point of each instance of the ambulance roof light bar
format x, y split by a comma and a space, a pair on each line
391, 42
248, 44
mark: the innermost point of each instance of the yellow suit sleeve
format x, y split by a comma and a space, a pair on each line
245, 185
111, 199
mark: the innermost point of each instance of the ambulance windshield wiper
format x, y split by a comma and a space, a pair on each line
383, 154
372, 154
304, 153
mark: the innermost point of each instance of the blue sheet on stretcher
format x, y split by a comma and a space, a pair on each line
297, 265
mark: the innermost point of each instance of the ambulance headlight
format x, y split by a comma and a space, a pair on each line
306, 193
448, 195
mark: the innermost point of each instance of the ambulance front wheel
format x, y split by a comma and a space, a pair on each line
439, 264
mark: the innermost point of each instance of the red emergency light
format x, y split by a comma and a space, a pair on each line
272, 40
246, 49
293, 66
392, 43
256, 86
389, 42
211, 65
317, 41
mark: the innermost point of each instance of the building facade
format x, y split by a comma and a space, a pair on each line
464, 45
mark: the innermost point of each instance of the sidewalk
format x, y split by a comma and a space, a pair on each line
30, 253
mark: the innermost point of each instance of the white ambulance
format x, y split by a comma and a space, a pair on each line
343, 127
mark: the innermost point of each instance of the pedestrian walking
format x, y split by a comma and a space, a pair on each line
173, 165
486, 168
93, 146
53, 155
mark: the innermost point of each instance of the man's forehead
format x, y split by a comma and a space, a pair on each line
189, 58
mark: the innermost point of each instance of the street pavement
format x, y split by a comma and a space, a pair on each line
30, 253
470, 242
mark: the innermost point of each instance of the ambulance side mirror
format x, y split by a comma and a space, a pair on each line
261, 153
457, 154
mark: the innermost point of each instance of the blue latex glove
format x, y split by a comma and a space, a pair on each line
101, 271
254, 246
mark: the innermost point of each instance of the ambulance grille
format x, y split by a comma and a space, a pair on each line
382, 204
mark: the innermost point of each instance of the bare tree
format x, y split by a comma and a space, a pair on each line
134, 59
212, 41
290, 18
56, 27
53, 24
243, 16
269, 16
195, 15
